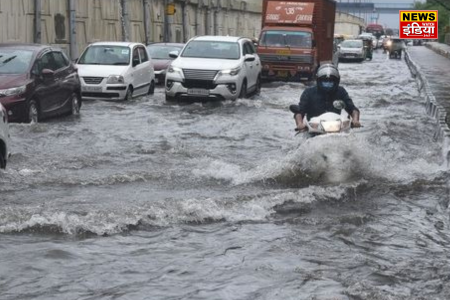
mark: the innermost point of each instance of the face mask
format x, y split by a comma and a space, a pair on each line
327, 86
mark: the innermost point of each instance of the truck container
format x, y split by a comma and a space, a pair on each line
296, 38
376, 29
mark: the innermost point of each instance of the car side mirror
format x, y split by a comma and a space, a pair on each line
48, 74
249, 57
135, 62
173, 54
339, 104
34, 72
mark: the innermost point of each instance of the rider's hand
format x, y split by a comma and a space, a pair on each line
356, 124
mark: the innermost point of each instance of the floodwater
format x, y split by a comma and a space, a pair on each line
220, 200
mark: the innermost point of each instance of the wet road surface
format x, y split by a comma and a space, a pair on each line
148, 200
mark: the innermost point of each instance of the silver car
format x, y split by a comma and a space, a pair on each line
352, 50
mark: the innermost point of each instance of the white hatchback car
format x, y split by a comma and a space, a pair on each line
214, 67
352, 50
115, 71
4, 137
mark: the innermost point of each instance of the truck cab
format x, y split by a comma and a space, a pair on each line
287, 53
296, 37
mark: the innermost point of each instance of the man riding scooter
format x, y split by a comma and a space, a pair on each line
395, 48
319, 98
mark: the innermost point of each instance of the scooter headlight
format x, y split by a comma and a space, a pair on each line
331, 126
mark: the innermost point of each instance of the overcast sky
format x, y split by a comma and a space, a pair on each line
389, 20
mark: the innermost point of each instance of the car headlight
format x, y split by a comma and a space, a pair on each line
175, 71
231, 72
13, 91
114, 79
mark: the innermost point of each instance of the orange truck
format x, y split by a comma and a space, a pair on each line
296, 38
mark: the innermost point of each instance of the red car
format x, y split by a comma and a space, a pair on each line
159, 52
36, 82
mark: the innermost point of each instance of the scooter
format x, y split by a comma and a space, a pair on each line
328, 122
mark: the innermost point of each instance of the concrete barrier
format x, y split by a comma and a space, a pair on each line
433, 108
441, 49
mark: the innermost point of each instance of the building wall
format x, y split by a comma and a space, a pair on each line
16, 21
108, 20
348, 24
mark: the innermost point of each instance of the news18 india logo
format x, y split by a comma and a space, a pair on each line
418, 24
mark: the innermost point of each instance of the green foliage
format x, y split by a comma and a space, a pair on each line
443, 14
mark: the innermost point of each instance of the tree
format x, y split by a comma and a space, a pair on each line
443, 15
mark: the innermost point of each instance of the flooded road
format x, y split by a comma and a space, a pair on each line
148, 200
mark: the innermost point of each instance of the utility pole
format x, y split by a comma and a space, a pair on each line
37, 21
146, 22
73, 30
125, 21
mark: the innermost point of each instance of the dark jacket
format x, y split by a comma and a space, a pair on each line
314, 102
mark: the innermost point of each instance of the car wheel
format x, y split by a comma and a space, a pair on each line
33, 112
243, 93
2, 161
129, 94
75, 105
258, 87
151, 89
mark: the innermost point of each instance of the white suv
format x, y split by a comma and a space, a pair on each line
115, 71
4, 137
216, 67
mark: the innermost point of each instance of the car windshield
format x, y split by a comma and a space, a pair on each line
15, 61
352, 44
212, 49
105, 55
162, 51
281, 38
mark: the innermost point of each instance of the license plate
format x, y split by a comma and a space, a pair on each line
284, 52
92, 88
198, 92
283, 73
156, 80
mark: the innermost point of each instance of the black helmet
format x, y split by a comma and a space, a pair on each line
328, 78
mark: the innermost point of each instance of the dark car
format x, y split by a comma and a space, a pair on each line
159, 52
36, 82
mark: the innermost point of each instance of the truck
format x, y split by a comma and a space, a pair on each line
297, 36
376, 29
